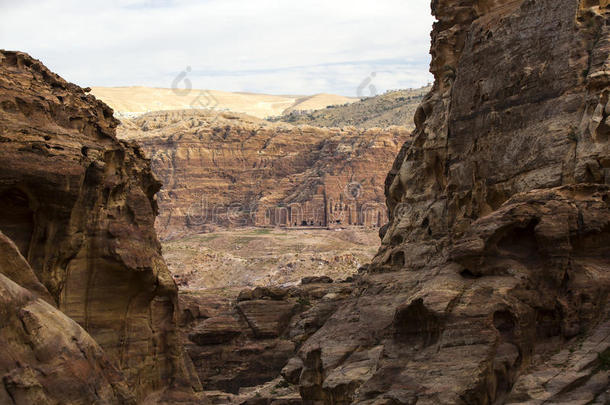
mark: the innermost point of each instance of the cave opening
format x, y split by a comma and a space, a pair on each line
17, 218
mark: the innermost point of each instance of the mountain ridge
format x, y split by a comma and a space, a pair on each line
132, 101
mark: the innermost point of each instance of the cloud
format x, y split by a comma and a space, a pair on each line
272, 46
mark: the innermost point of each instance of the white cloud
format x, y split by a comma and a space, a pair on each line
273, 46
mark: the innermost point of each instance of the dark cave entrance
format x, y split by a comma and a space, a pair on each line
17, 218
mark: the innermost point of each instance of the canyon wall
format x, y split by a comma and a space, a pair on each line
79, 206
222, 169
47, 357
242, 342
492, 281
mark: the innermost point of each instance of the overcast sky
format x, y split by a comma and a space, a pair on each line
263, 46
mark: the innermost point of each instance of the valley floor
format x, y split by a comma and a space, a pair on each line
267, 256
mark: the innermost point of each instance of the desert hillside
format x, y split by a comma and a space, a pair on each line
392, 108
131, 101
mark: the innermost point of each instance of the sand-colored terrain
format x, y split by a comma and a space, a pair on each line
267, 256
132, 101
319, 101
391, 108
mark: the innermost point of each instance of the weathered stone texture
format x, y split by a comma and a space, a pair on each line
223, 169
492, 281
78, 203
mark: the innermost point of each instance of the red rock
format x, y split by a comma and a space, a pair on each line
496, 254
223, 169
79, 205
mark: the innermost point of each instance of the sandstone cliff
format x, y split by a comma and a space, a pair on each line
79, 206
239, 342
492, 281
47, 357
234, 170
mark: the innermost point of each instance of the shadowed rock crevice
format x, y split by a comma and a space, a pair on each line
17, 218
240, 340
417, 324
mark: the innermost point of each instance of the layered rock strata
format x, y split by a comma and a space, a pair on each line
222, 169
240, 341
46, 356
492, 281
79, 206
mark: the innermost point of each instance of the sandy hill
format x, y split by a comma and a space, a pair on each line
319, 101
392, 108
132, 101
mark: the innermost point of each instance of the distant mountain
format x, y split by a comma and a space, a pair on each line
135, 101
392, 108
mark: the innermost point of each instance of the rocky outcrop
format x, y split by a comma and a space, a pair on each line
245, 340
46, 356
221, 169
492, 281
79, 206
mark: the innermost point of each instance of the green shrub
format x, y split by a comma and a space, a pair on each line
282, 384
604, 359
303, 301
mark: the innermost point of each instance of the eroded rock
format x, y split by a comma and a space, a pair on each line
79, 205
46, 357
231, 170
240, 342
495, 257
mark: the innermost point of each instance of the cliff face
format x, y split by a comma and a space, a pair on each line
46, 356
241, 341
78, 203
230, 170
492, 281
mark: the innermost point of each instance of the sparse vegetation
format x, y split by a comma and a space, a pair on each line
263, 231
573, 135
396, 107
262, 256
604, 360
282, 384
207, 238
303, 301
243, 240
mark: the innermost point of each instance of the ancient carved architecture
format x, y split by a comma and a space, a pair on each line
222, 169
491, 285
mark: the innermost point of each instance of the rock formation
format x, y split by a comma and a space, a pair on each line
492, 281
221, 169
239, 341
46, 356
79, 206
491, 285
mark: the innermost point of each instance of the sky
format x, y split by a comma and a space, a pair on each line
346, 47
